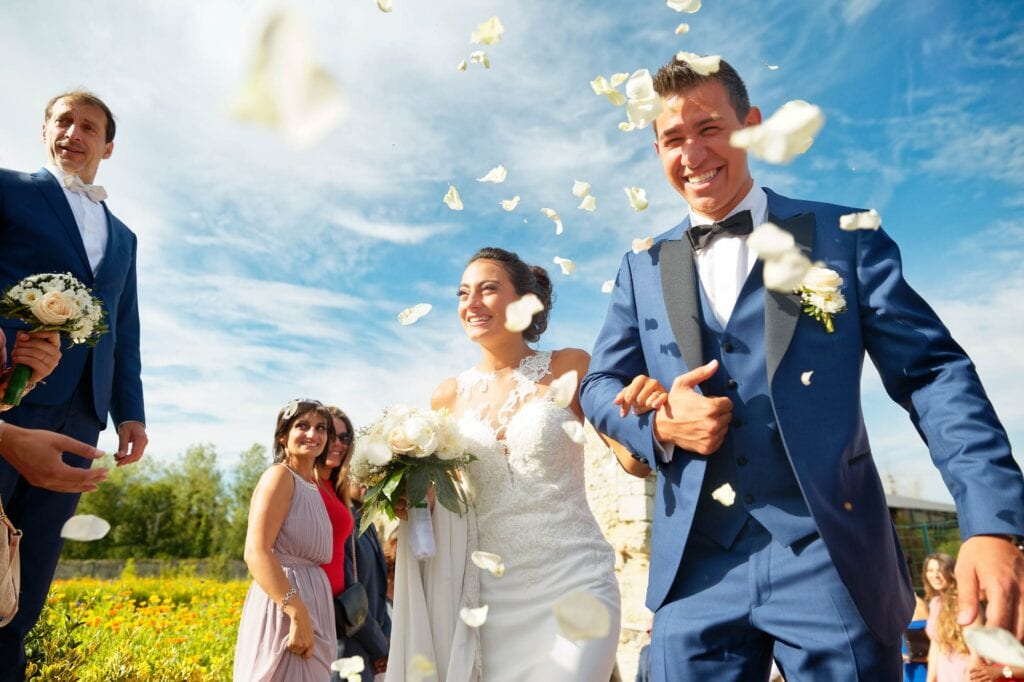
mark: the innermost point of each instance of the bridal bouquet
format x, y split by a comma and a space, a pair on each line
52, 302
403, 454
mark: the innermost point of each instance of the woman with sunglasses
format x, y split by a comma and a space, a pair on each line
287, 627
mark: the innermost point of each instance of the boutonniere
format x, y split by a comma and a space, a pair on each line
821, 297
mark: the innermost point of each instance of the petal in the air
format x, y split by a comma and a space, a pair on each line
724, 495
786, 272
452, 199
805, 377
608, 286
474, 618
866, 220
581, 616
688, 6
705, 66
580, 188
510, 204
589, 203
488, 561
995, 644
462, 65
420, 669
480, 57
566, 264
383, 6
411, 315
519, 314
786, 134
574, 430
557, 219
488, 33
770, 241
496, 174
84, 528
563, 389
637, 197
642, 244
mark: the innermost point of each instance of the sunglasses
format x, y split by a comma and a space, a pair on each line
345, 438
293, 406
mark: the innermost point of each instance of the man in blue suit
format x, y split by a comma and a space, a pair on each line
55, 220
803, 563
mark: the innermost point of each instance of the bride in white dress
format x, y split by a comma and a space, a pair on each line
528, 505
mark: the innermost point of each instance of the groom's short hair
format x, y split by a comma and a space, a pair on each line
677, 77
84, 96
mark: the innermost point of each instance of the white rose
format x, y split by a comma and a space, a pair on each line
54, 308
420, 433
822, 280
452, 444
371, 450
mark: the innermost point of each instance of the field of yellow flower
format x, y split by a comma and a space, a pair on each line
133, 628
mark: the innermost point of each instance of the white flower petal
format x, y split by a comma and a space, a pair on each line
348, 666
643, 104
867, 220
996, 645
705, 66
805, 377
496, 174
608, 286
786, 272
488, 33
580, 188
618, 79
574, 430
452, 199
474, 618
581, 616
589, 203
410, 315
773, 67
510, 204
553, 214
682, 28
462, 65
420, 667
286, 88
770, 241
786, 134
822, 280
724, 495
383, 6
489, 561
480, 57
566, 264
637, 197
519, 314
601, 86
642, 244
563, 389
84, 528
627, 127
688, 6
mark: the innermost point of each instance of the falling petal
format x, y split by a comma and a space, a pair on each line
582, 616
286, 88
84, 528
618, 79
643, 104
627, 127
383, 6
688, 6
682, 28
995, 644
786, 134
462, 65
567, 265
724, 495
353, 665
608, 286
601, 86
510, 204
786, 273
410, 315
637, 197
589, 203
705, 66
496, 174
474, 618
553, 214
480, 57
488, 33
563, 389
805, 377
770, 241
574, 430
773, 67
489, 562
580, 188
642, 244
420, 667
452, 199
868, 220
519, 314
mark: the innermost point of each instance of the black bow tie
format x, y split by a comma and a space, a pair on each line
739, 224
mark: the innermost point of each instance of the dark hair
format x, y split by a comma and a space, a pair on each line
340, 415
87, 97
946, 565
527, 279
677, 77
291, 413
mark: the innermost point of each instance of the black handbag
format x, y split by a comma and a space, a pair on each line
352, 605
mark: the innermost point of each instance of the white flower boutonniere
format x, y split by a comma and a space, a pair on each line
821, 297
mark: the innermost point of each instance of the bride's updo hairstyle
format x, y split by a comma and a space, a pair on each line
527, 279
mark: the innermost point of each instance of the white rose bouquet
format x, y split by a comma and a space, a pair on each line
52, 302
403, 454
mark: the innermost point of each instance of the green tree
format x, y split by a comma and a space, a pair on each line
199, 509
251, 465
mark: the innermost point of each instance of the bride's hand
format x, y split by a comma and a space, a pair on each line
401, 505
643, 394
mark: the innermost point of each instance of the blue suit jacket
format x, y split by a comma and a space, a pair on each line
38, 234
653, 328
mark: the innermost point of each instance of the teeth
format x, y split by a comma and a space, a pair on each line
703, 177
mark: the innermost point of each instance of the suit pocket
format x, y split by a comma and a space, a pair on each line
857, 459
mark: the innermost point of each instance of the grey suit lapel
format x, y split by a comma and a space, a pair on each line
679, 290
782, 310
54, 195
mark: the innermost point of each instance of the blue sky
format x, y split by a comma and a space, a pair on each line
268, 273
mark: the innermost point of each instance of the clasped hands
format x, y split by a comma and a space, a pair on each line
683, 416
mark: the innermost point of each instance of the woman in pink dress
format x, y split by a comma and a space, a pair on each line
948, 656
287, 629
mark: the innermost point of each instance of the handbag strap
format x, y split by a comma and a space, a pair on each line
355, 562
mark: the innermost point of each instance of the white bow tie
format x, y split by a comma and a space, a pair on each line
73, 183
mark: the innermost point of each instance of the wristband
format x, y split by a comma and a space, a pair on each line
288, 595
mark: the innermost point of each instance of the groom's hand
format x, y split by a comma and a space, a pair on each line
690, 420
991, 568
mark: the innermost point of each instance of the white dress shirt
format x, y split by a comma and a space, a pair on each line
90, 218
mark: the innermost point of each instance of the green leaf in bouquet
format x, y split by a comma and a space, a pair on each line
417, 483
446, 492
392, 481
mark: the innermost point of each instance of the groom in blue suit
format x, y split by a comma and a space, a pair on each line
771, 536
55, 220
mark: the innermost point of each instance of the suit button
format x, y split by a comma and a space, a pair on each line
731, 383
727, 347
741, 460
748, 499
